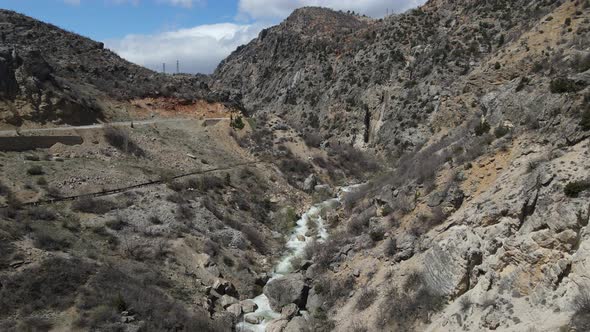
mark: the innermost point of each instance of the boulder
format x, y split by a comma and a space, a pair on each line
253, 319
314, 302
262, 279
324, 190
289, 311
310, 183
404, 247
449, 262
225, 287
436, 198
235, 309
277, 325
356, 273
227, 300
248, 306
452, 196
306, 264
312, 271
285, 290
297, 324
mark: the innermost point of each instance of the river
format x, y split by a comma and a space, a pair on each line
295, 248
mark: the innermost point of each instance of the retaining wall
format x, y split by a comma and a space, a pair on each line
24, 143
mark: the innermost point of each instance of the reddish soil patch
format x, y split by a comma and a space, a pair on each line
173, 107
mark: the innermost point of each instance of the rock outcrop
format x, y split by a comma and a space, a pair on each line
285, 290
51, 75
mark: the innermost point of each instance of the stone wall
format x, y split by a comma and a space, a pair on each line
24, 143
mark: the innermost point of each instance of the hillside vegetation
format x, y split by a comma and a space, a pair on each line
469, 122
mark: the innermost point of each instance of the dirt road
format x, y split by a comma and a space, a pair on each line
102, 125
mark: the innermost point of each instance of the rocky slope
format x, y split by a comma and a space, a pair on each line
483, 110
382, 82
477, 219
52, 75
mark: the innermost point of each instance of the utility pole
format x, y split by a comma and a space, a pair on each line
177, 67
164, 67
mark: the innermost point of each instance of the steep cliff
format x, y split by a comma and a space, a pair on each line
482, 109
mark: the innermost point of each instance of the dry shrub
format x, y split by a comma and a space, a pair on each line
93, 205
390, 247
354, 162
111, 290
312, 139
51, 242
359, 223
42, 213
184, 212
366, 298
52, 285
403, 308
333, 289
119, 139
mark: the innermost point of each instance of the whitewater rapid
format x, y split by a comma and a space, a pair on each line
295, 248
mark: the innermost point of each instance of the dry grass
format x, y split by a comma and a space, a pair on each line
366, 298
93, 205
120, 139
51, 286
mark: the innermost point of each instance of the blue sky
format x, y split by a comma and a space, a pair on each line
110, 19
199, 33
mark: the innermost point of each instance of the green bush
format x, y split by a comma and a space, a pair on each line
4, 190
93, 205
501, 131
573, 189
51, 242
585, 122
581, 63
482, 128
238, 123
287, 219
313, 140
42, 181
564, 85
42, 213
523, 82
377, 234
116, 224
35, 170
390, 247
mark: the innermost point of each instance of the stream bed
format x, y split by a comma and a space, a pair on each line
295, 248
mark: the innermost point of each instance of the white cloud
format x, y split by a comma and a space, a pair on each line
199, 49
72, 2
257, 9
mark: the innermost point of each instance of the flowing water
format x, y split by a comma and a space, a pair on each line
295, 248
